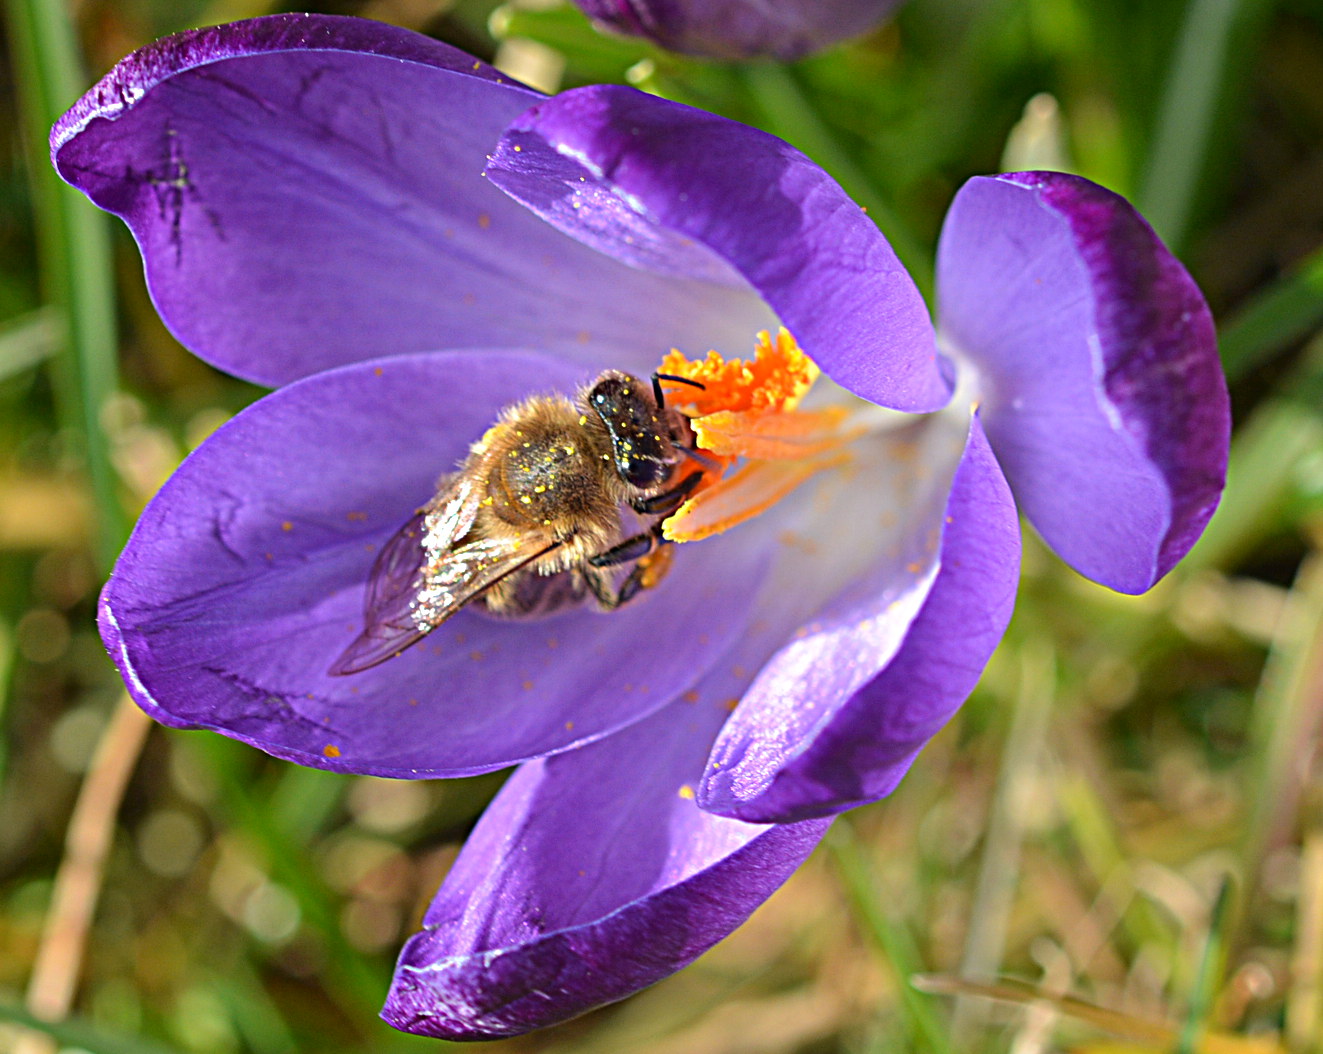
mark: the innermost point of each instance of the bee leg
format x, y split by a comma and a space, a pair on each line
634, 548
668, 502
650, 569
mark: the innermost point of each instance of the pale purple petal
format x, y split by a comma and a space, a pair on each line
593, 874
738, 29
836, 716
638, 176
1103, 394
244, 581
307, 191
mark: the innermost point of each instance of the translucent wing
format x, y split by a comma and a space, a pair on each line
462, 574
393, 585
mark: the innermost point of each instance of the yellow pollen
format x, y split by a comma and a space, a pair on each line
686, 792
331, 750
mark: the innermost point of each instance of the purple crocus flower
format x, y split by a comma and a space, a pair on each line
409, 242
741, 29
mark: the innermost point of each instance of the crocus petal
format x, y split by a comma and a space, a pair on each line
739, 29
1103, 394
593, 874
639, 177
307, 191
244, 581
836, 716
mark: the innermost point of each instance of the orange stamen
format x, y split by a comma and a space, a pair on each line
775, 379
753, 489
772, 436
747, 410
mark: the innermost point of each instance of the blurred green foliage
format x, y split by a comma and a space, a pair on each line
1077, 824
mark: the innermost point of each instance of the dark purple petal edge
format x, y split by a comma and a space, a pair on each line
556, 976
1161, 367
137, 74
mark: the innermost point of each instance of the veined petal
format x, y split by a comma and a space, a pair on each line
668, 187
835, 717
740, 29
244, 582
1103, 394
307, 191
593, 874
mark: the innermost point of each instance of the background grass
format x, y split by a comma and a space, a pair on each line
1126, 816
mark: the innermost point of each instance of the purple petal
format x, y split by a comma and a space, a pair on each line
593, 874
244, 581
837, 715
638, 176
307, 191
738, 29
1103, 393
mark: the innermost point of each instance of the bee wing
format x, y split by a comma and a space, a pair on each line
397, 577
465, 573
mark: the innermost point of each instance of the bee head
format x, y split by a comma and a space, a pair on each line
640, 437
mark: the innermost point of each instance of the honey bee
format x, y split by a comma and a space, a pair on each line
531, 521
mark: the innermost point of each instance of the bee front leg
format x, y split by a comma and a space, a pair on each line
653, 560
635, 548
667, 502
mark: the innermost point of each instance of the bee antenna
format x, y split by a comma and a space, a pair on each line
657, 392
706, 460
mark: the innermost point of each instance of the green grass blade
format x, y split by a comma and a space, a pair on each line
7, 646
1190, 98
999, 868
1211, 968
1286, 717
1267, 453
75, 1033
74, 249
891, 937
1276, 317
